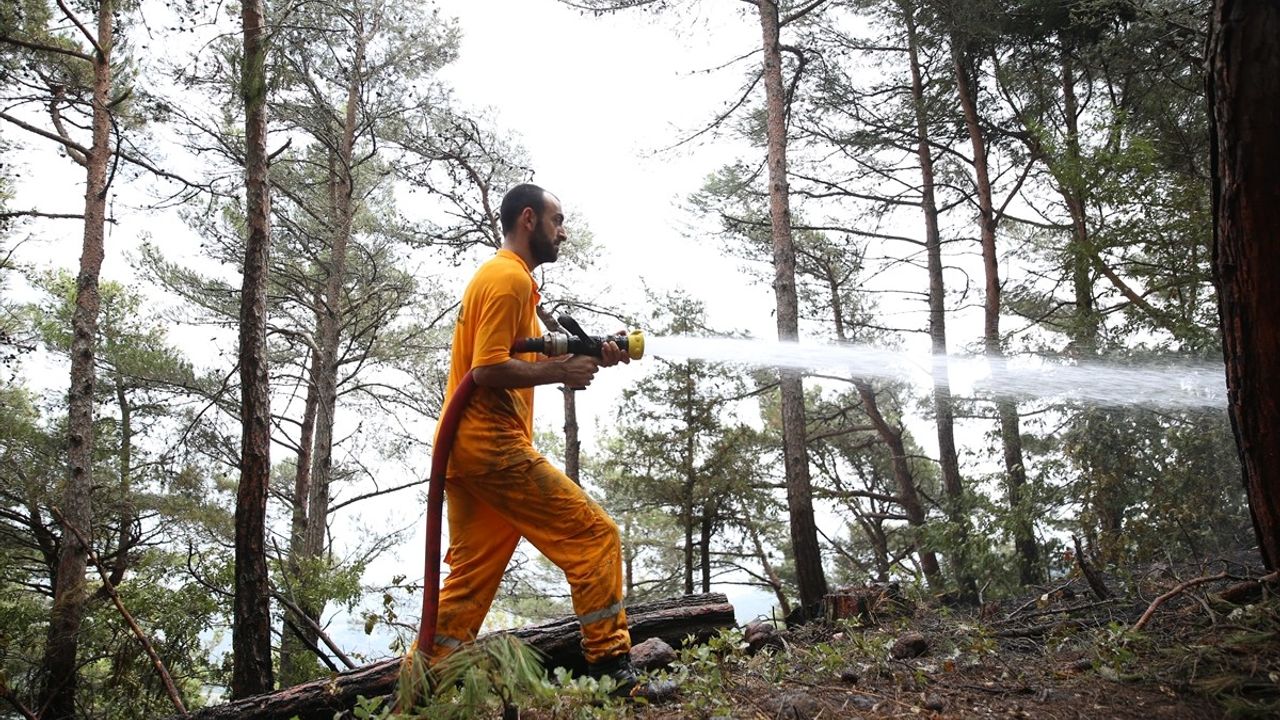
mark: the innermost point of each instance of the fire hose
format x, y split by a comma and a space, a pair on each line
551, 345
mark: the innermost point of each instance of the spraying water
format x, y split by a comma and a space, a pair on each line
1187, 386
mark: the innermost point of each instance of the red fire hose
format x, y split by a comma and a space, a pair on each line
435, 503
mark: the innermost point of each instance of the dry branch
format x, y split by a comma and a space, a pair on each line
1181, 588
1096, 584
150, 649
1248, 591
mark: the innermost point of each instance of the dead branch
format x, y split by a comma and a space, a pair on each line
1095, 581
23, 710
315, 627
1181, 588
1248, 591
156, 662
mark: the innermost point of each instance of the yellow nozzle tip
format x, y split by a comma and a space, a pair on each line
635, 344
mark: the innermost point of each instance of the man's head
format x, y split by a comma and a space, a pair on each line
532, 217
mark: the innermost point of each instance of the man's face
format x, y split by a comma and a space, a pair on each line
548, 232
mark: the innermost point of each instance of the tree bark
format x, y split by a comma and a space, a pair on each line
60, 664
572, 445
804, 530
124, 456
704, 546
251, 624
944, 407
1244, 96
672, 620
1024, 538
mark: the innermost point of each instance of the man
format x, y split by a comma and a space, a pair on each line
499, 488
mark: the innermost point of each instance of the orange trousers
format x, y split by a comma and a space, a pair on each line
488, 514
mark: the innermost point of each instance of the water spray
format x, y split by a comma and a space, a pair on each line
1170, 384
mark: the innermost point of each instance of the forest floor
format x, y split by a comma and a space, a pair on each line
1057, 652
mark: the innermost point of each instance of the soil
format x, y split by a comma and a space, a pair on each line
1057, 652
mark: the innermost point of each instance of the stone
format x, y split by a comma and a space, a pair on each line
909, 645
652, 654
760, 636
795, 706
861, 702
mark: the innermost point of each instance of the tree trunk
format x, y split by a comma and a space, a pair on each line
943, 405
1244, 93
1024, 538
328, 338
690, 477
60, 664
294, 654
686, 518
1070, 186
704, 548
628, 557
572, 445
701, 616
251, 624
124, 456
804, 530
908, 497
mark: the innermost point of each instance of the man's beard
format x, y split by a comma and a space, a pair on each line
543, 246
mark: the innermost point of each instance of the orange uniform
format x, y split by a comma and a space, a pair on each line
500, 488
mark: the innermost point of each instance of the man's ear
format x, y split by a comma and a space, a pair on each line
529, 216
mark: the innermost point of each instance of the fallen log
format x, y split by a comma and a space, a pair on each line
1249, 591
673, 620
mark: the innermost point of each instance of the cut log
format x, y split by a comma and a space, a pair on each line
673, 620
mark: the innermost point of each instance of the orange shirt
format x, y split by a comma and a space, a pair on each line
498, 308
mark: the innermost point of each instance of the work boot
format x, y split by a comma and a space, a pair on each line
627, 681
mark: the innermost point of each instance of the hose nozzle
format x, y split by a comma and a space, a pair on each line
578, 342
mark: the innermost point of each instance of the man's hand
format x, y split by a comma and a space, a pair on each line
578, 370
611, 354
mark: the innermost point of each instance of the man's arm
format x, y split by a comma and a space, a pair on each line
572, 370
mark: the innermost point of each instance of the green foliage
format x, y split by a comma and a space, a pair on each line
705, 674
493, 674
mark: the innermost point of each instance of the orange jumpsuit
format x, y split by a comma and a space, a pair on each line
500, 489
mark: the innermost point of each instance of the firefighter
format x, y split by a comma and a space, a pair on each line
499, 488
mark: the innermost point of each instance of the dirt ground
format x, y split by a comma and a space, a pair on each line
1059, 652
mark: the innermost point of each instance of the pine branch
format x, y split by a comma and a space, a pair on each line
40, 47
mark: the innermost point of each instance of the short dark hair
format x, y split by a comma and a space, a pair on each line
516, 200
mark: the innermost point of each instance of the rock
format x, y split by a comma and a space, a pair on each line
1079, 666
795, 706
909, 645
652, 654
760, 635
861, 702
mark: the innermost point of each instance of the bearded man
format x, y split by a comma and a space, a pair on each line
499, 488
